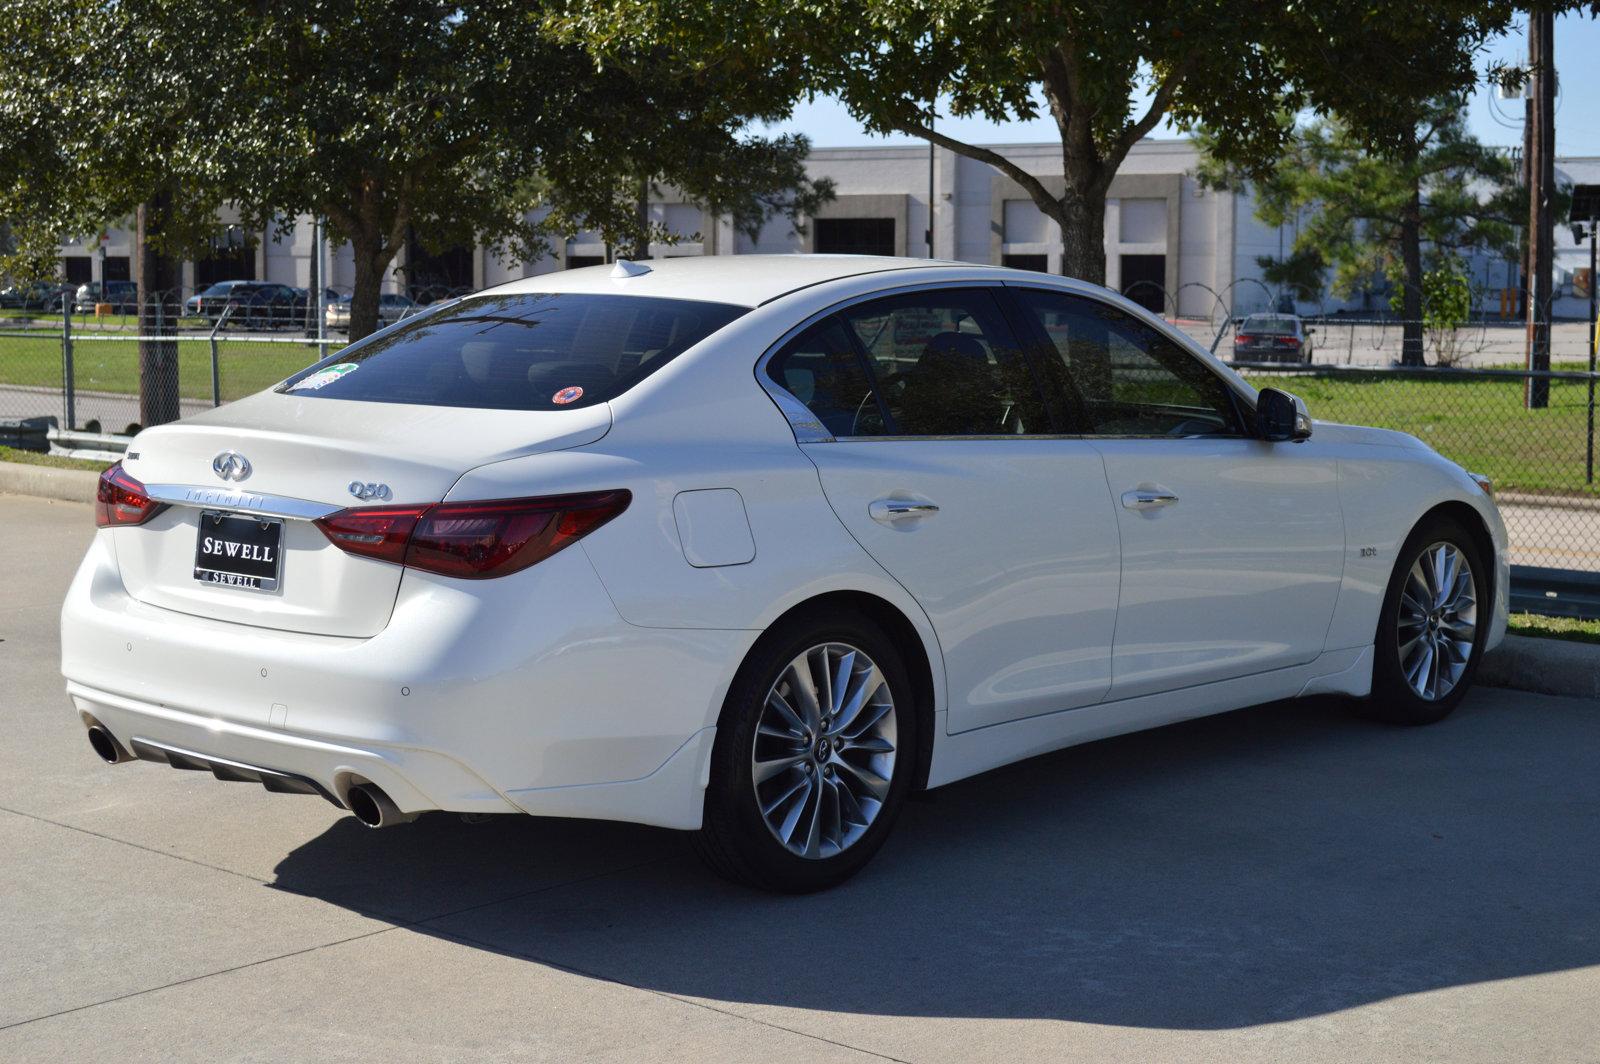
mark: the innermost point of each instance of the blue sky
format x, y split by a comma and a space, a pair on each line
829, 125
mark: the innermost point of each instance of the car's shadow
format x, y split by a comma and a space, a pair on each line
1275, 863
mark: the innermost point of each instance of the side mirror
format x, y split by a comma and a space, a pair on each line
1281, 416
1310, 330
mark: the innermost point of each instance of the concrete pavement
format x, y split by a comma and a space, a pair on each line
1282, 883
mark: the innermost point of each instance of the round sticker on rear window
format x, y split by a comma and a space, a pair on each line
324, 377
567, 395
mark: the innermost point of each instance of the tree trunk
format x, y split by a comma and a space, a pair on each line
641, 239
1083, 235
160, 303
371, 259
1411, 296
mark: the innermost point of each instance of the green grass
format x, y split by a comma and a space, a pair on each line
1479, 423
11, 454
1569, 628
113, 365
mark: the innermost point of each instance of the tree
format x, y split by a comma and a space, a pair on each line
459, 122
103, 118
467, 123
1390, 213
1234, 64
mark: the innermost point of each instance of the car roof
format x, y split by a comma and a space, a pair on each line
744, 280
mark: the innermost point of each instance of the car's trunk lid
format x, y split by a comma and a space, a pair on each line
309, 456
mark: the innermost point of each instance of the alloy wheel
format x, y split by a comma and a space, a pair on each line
824, 750
1438, 623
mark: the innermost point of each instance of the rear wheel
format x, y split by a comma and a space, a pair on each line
1436, 615
813, 758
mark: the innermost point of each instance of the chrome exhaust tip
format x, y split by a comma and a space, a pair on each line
106, 747
373, 808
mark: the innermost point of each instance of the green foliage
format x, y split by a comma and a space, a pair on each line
1301, 272
1387, 214
1234, 65
452, 120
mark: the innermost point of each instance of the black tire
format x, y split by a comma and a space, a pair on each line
734, 839
1393, 700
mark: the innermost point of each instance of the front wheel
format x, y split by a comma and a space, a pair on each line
815, 751
1436, 615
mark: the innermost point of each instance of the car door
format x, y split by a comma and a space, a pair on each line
1232, 547
942, 463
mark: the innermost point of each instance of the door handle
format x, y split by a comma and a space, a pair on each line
890, 511
1147, 499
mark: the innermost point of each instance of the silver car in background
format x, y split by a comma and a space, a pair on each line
392, 306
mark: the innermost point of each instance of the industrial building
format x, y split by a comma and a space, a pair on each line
1171, 244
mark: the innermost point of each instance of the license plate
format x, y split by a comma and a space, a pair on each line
239, 550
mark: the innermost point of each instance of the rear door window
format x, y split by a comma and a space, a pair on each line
530, 351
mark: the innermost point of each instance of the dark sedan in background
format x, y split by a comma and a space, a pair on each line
1272, 338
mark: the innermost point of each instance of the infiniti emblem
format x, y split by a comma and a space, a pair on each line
231, 465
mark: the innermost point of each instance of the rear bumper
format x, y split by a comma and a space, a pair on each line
526, 694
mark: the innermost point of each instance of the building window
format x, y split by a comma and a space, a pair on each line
1144, 280
578, 262
854, 236
77, 269
116, 268
1039, 263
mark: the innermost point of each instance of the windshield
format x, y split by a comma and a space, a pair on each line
530, 351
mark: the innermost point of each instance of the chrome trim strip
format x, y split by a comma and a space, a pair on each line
242, 501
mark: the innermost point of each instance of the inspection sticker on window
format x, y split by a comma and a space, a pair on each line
567, 395
324, 377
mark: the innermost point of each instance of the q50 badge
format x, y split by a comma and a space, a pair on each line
369, 490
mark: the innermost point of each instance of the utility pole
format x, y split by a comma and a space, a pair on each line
1541, 190
932, 104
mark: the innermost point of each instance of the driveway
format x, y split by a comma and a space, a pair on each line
1281, 883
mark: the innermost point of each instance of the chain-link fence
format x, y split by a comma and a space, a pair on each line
94, 369
98, 358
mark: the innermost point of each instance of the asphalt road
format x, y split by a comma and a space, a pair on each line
1282, 883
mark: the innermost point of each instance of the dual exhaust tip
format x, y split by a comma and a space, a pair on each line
367, 802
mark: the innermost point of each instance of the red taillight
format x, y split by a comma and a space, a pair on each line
1244, 338
1286, 341
473, 540
121, 500
380, 532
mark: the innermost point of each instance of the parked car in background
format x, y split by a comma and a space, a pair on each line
255, 304
38, 295
756, 547
122, 295
392, 306
1272, 338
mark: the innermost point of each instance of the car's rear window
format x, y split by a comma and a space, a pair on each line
1270, 325
532, 351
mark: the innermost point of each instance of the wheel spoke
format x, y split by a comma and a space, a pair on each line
803, 688
792, 723
763, 771
839, 688
785, 831
872, 744
875, 784
862, 688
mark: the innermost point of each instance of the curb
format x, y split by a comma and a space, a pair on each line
1544, 666
69, 485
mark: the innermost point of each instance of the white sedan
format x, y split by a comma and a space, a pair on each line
754, 547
